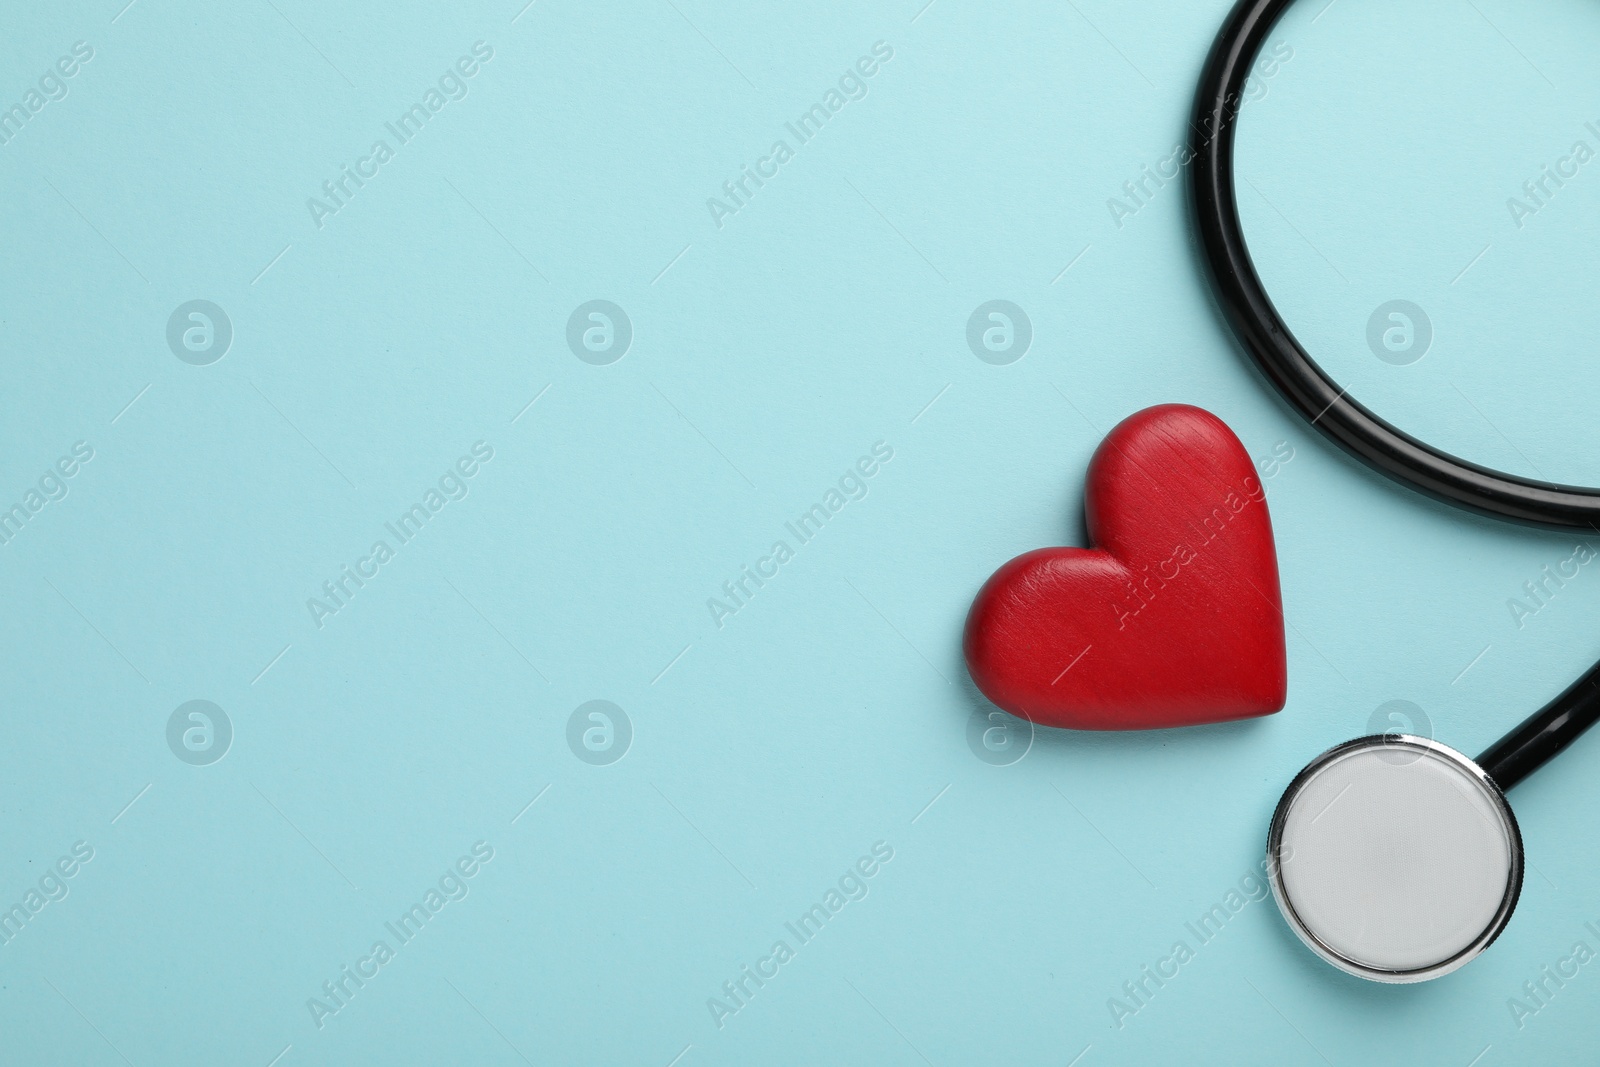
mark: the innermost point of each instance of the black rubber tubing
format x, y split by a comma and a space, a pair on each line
1337, 415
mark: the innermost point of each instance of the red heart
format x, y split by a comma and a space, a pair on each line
1173, 620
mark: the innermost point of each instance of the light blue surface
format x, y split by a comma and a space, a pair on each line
831, 712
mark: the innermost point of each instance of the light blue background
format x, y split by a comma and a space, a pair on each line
768, 355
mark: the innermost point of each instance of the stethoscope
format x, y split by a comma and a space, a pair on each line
1393, 857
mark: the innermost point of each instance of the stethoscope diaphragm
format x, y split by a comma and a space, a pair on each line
1395, 858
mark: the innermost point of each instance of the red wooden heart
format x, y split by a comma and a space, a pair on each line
1173, 620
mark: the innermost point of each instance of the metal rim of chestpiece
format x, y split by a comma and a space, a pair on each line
1420, 747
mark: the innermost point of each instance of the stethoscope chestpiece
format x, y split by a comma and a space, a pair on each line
1395, 858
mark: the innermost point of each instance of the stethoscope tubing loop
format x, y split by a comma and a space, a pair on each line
1273, 347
